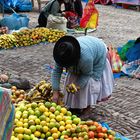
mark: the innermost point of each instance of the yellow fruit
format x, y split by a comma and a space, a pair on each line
42, 136
54, 130
42, 108
63, 110
46, 113
55, 135
47, 119
59, 118
20, 136
62, 123
52, 120
19, 130
68, 122
27, 131
43, 123
52, 116
37, 121
50, 138
45, 129
25, 125
37, 134
19, 124
68, 126
61, 128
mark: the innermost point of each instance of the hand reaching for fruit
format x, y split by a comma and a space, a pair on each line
72, 88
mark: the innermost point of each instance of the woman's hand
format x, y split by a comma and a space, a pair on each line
55, 96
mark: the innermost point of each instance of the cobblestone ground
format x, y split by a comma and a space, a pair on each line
116, 26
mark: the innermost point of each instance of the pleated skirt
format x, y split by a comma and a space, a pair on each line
93, 92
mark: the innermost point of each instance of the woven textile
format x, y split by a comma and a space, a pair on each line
6, 115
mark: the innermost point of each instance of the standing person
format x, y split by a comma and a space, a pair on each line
85, 59
52, 7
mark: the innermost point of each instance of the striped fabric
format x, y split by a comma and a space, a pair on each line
6, 115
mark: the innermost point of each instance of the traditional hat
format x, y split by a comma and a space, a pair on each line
66, 51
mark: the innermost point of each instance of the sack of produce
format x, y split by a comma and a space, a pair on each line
57, 22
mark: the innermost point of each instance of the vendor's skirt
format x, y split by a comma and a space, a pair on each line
93, 92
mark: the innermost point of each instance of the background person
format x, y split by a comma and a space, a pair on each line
85, 59
52, 7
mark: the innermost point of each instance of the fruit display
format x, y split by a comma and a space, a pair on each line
42, 91
47, 120
7, 41
17, 94
42, 120
90, 130
28, 37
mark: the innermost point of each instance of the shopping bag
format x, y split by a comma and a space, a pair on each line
115, 61
90, 16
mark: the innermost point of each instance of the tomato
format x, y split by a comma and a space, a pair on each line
104, 130
99, 128
111, 137
96, 124
91, 134
100, 135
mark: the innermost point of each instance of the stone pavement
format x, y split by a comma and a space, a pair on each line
116, 26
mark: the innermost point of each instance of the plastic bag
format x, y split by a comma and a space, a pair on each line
132, 69
22, 5
90, 16
115, 61
15, 21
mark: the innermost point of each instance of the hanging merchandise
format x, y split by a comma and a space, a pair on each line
115, 60
125, 48
90, 16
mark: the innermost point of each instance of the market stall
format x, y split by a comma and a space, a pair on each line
126, 3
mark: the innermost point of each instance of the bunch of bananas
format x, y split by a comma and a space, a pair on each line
7, 41
72, 88
41, 91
